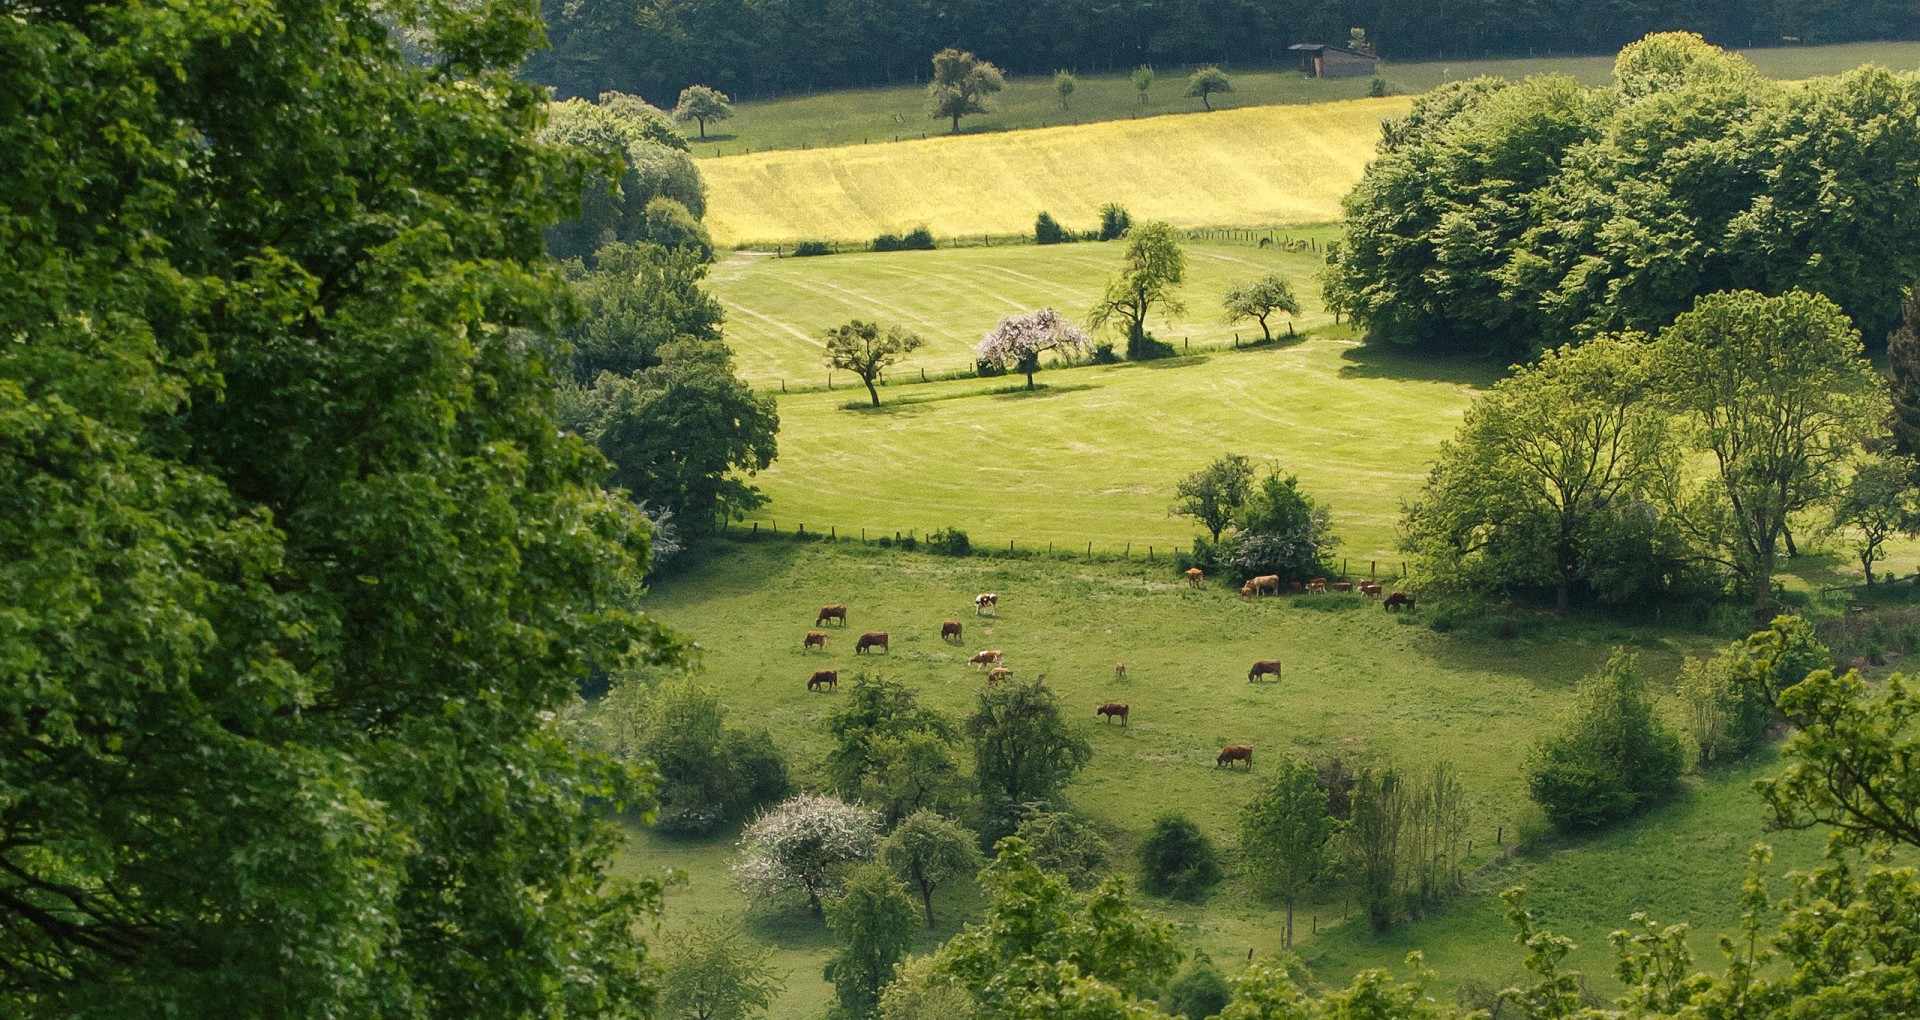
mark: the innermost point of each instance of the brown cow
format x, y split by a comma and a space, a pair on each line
1235, 752
1119, 671
950, 630
1342, 586
1113, 710
1265, 667
871, 639
985, 599
1246, 590
1399, 600
824, 678
833, 612
1370, 589
1195, 575
985, 658
1317, 586
997, 674
814, 639
1265, 584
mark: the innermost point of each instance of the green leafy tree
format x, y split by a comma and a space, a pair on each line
1063, 86
1271, 989
1178, 860
297, 563
1023, 750
926, 850
709, 773
1876, 504
635, 156
1067, 844
702, 103
873, 921
1142, 80
1047, 230
1153, 267
1903, 364
867, 350
670, 225
1280, 529
634, 301
1208, 82
1215, 493
1115, 221
1378, 806
1198, 991
1611, 757
892, 752
1259, 300
962, 84
919, 991
1286, 835
717, 973
1540, 471
680, 433
1775, 389
1043, 950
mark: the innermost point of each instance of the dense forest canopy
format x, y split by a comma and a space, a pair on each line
761, 47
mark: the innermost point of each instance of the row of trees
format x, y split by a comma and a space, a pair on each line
1508, 216
759, 48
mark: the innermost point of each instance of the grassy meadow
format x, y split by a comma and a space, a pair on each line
860, 116
777, 308
1255, 166
1359, 683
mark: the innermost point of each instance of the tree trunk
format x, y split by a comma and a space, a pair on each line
872, 392
956, 123
1289, 922
1866, 564
1264, 331
1787, 533
1763, 587
1206, 101
926, 900
1029, 380
1560, 601
703, 127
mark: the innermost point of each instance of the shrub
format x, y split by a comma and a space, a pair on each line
710, 773
887, 242
1380, 88
668, 223
1114, 222
1611, 758
1066, 844
988, 368
1198, 991
1104, 354
807, 249
1726, 697
1178, 860
917, 239
1046, 230
1280, 530
950, 541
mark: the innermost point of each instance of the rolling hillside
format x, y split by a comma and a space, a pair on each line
1265, 165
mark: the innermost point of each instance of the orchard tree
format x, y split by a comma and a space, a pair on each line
873, 921
961, 84
891, 752
1142, 79
1776, 389
1063, 86
806, 842
1540, 469
1213, 494
1259, 300
1876, 504
1206, 82
1152, 268
1286, 834
702, 103
1019, 340
866, 350
1024, 752
926, 850
717, 973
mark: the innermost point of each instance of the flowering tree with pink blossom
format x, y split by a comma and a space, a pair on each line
805, 842
1019, 341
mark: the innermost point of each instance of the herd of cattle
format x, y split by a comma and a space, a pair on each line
994, 660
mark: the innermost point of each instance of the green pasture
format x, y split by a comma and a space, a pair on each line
857, 116
1358, 682
777, 308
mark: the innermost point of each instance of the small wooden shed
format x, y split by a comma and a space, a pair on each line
1323, 61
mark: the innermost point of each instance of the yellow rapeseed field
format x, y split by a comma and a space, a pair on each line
1264, 165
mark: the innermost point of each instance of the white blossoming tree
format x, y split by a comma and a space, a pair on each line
1019, 341
804, 843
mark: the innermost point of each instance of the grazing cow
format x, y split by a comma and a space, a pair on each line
824, 678
1265, 667
1195, 575
1317, 586
1113, 710
997, 674
814, 639
1265, 584
1342, 586
833, 612
985, 599
950, 630
1399, 600
1370, 589
1235, 752
1246, 590
1119, 671
871, 639
990, 657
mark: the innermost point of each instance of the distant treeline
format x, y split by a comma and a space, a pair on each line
760, 47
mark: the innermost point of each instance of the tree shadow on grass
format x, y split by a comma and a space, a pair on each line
1379, 361
915, 405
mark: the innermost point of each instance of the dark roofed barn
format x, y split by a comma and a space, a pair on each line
1322, 61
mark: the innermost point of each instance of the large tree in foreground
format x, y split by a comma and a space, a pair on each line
294, 561
1777, 392
961, 84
